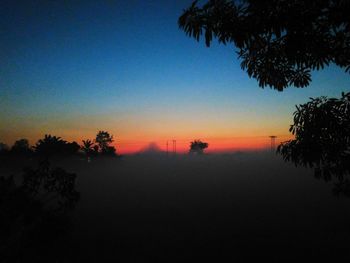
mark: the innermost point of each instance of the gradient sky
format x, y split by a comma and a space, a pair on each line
71, 68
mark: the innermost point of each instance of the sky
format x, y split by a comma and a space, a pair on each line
72, 68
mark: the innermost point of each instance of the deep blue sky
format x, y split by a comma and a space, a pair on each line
73, 68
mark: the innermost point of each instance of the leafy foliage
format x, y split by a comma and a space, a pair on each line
110, 150
322, 136
52, 145
104, 139
87, 147
21, 147
33, 214
342, 188
53, 187
95, 149
197, 146
279, 41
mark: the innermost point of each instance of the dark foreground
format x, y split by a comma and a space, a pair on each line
224, 208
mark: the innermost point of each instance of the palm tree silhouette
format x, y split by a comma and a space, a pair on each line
87, 148
50, 145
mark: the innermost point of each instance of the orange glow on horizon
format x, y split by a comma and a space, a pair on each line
216, 145
133, 132
136, 143
134, 137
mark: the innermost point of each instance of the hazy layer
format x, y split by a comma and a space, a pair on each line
150, 208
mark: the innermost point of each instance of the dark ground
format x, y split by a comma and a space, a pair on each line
234, 207
224, 208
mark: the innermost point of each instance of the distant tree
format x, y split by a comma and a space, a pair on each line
197, 146
87, 147
72, 147
52, 145
279, 41
104, 139
322, 136
110, 150
95, 150
21, 147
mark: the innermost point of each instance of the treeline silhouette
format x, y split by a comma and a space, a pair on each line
53, 146
35, 221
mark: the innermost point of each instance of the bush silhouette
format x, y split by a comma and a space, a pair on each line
21, 147
197, 146
52, 145
87, 147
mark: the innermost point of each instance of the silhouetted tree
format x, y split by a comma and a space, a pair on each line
52, 145
104, 139
197, 146
21, 147
110, 150
322, 137
53, 187
280, 42
33, 214
72, 147
87, 147
95, 150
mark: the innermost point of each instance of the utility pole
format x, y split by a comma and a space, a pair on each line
173, 150
174, 147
